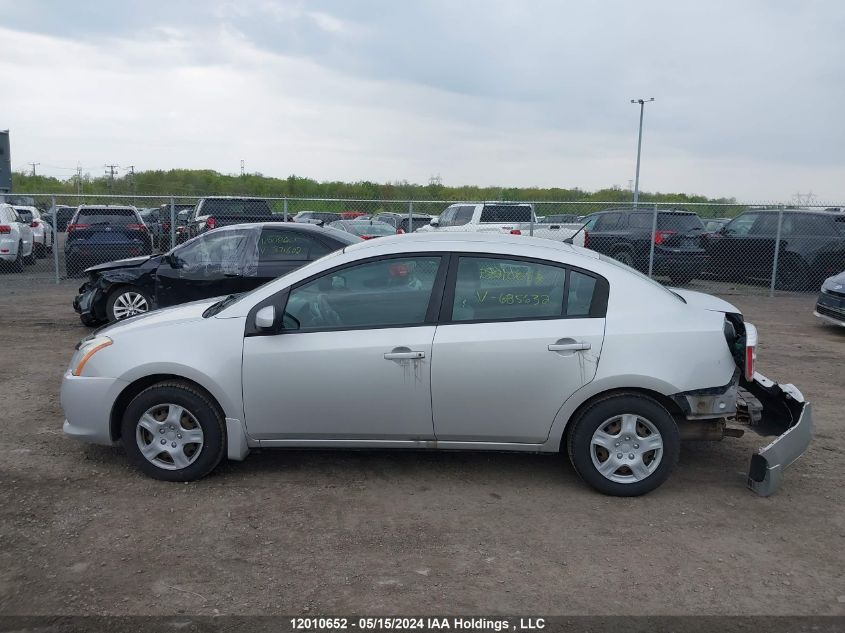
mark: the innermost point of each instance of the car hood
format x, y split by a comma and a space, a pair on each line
165, 317
132, 262
705, 301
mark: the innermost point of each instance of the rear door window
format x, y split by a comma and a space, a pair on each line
502, 289
276, 245
805, 225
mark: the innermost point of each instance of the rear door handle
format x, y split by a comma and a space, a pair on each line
575, 346
409, 355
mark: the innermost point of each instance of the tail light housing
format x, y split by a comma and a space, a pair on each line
76, 227
165, 226
750, 350
367, 237
136, 227
586, 239
5, 229
400, 231
33, 224
516, 232
211, 223
662, 236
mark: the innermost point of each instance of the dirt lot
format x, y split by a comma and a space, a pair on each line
409, 532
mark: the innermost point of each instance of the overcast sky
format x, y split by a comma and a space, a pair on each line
749, 95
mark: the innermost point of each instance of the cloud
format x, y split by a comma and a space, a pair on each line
486, 92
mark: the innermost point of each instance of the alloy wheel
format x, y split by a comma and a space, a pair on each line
129, 304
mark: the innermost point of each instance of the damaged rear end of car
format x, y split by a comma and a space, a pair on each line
750, 401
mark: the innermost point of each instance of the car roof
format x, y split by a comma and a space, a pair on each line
118, 207
822, 212
643, 210
499, 243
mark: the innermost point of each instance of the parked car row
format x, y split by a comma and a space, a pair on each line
17, 246
812, 244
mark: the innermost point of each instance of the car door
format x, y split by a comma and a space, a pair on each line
214, 264
282, 250
517, 338
353, 359
728, 249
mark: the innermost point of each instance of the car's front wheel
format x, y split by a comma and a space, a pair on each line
173, 432
624, 445
125, 302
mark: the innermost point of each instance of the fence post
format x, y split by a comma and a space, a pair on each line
651, 246
777, 254
285, 204
55, 237
172, 222
531, 222
410, 217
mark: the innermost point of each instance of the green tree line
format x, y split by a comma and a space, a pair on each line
204, 182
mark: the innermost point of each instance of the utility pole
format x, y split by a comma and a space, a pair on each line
131, 170
642, 103
242, 167
33, 168
110, 171
78, 180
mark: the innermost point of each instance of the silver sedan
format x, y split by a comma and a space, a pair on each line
438, 341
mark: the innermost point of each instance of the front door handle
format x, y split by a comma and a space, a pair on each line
574, 346
404, 355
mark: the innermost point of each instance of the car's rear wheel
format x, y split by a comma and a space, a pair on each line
793, 274
17, 264
624, 257
172, 432
624, 445
125, 302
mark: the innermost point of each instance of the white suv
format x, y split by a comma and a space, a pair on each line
15, 239
42, 232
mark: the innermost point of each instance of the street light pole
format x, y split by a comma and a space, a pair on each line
642, 103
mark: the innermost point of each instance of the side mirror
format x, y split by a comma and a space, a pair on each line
434, 222
265, 318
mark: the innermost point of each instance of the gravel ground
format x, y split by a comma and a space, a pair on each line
313, 532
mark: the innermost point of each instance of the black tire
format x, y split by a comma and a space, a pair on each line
40, 250
793, 274
625, 256
29, 260
206, 413
122, 290
17, 265
71, 268
596, 416
89, 321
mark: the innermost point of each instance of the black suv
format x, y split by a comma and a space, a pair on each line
626, 234
812, 247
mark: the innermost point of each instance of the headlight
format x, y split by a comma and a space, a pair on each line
833, 286
85, 350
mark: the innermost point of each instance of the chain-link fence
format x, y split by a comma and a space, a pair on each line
719, 248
